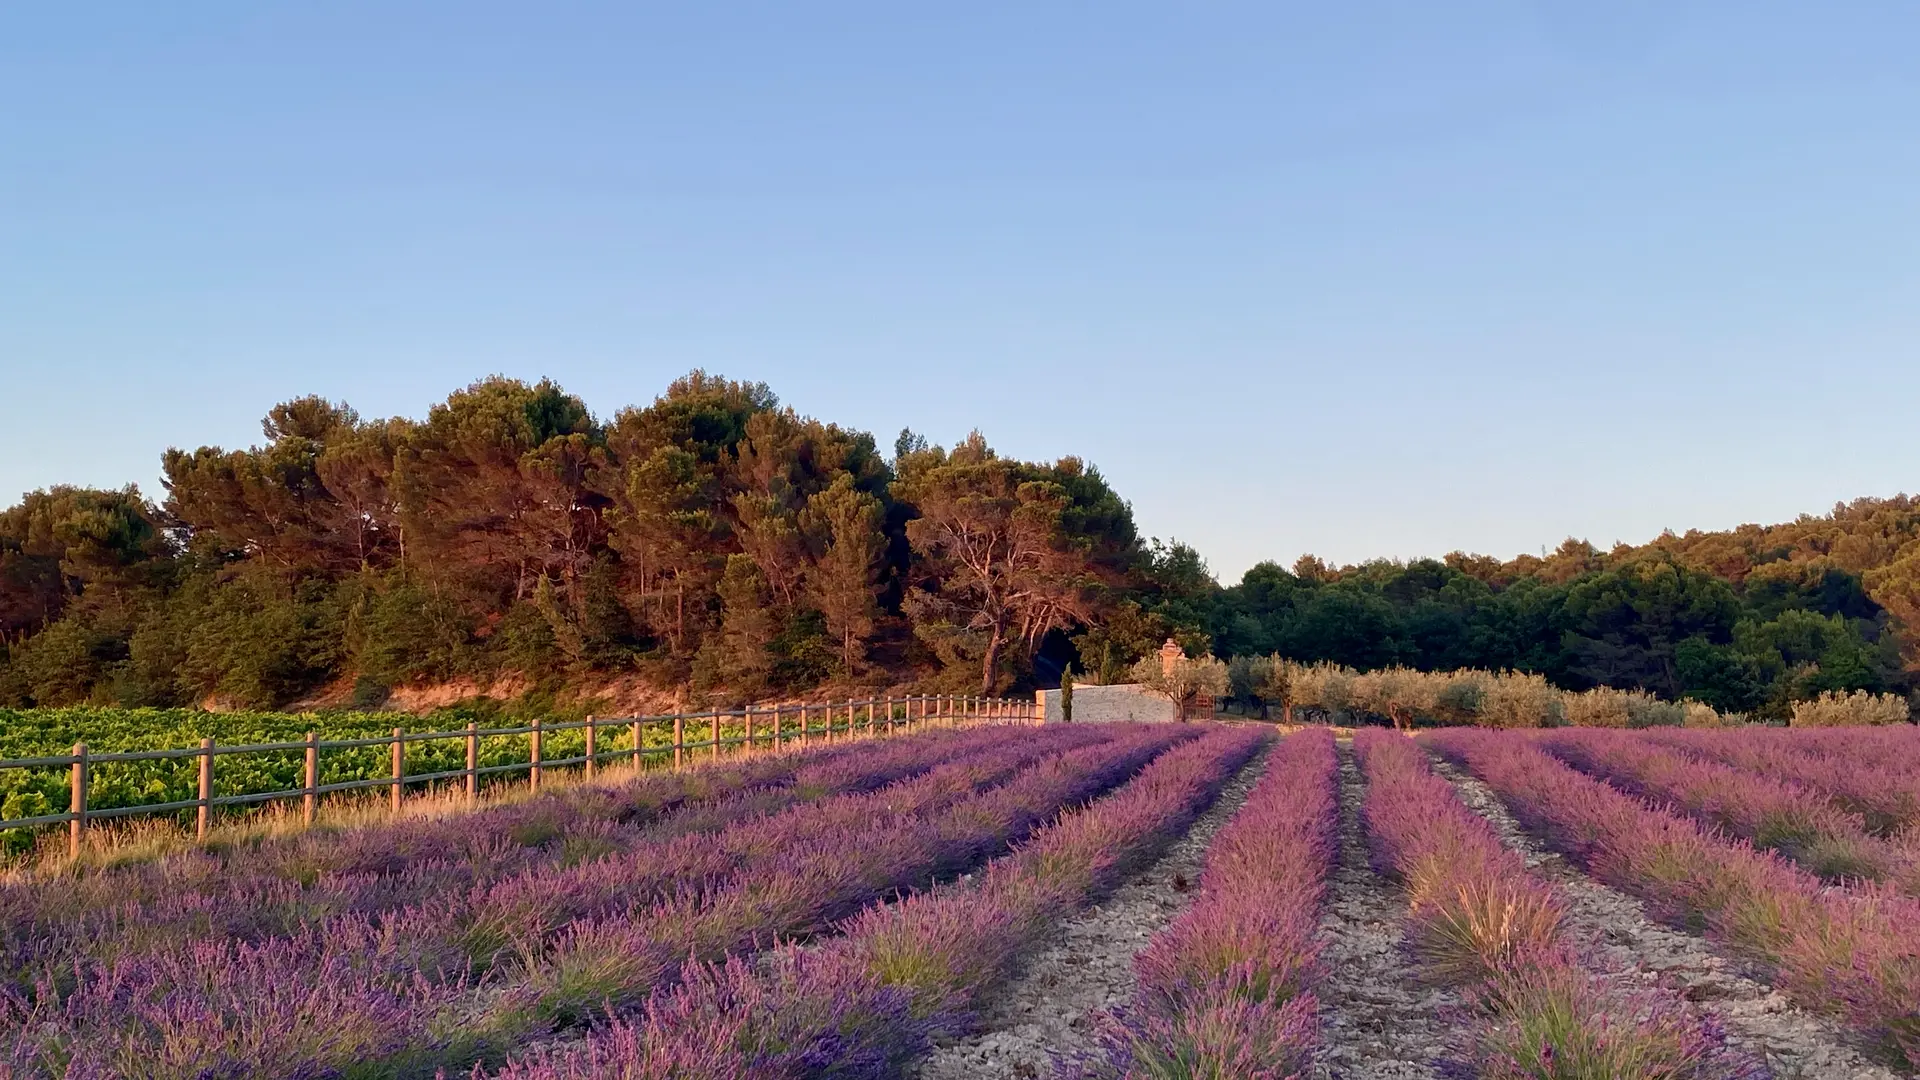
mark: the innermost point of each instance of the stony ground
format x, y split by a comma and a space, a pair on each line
1381, 1021
1758, 1019
1051, 1009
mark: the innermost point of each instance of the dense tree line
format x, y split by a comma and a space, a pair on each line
716, 539
711, 537
1750, 620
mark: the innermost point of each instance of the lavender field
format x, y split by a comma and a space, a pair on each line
1085, 902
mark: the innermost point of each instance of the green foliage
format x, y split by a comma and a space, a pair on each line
1650, 619
1066, 694
1185, 680
51, 732
369, 693
715, 533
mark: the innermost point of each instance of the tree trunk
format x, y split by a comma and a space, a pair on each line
679, 616
992, 662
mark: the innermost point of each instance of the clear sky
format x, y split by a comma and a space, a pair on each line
1356, 278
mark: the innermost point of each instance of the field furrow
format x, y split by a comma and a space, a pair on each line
314, 1005
1053, 1007
1479, 919
868, 1004
454, 871
1381, 1019
1614, 926
1231, 987
1852, 954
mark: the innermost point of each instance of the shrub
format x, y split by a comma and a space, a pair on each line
1245, 674
1856, 709
1652, 712
369, 693
1323, 686
1702, 715
1517, 699
1463, 697
1602, 706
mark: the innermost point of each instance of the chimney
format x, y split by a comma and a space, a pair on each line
1170, 654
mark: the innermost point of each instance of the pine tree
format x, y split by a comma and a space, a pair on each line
845, 579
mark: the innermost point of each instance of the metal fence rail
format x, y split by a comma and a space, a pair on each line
824, 720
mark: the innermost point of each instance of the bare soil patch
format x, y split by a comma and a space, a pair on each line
1634, 948
1381, 1020
1052, 1008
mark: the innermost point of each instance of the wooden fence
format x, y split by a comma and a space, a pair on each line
822, 721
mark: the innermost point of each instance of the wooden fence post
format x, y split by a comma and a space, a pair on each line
715, 754
206, 790
310, 798
749, 729
533, 756
776, 727
473, 761
77, 802
593, 760
806, 723
395, 793
679, 738
638, 761
889, 714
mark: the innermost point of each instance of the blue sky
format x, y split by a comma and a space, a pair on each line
1359, 279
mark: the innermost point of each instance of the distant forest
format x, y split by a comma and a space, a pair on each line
718, 540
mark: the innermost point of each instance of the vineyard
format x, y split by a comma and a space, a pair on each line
67, 766
1082, 902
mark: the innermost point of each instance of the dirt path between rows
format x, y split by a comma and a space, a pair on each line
1051, 1009
1757, 1018
1381, 1021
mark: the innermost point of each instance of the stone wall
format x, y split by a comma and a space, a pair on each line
1109, 704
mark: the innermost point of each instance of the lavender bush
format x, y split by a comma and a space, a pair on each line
865, 1003
1480, 920
1855, 952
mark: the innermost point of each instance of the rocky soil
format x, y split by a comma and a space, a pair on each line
1758, 1019
1051, 1010
1381, 1021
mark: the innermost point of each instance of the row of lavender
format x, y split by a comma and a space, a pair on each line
289, 885
1853, 952
575, 906
1799, 820
1874, 772
869, 1000
1227, 990
1480, 920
